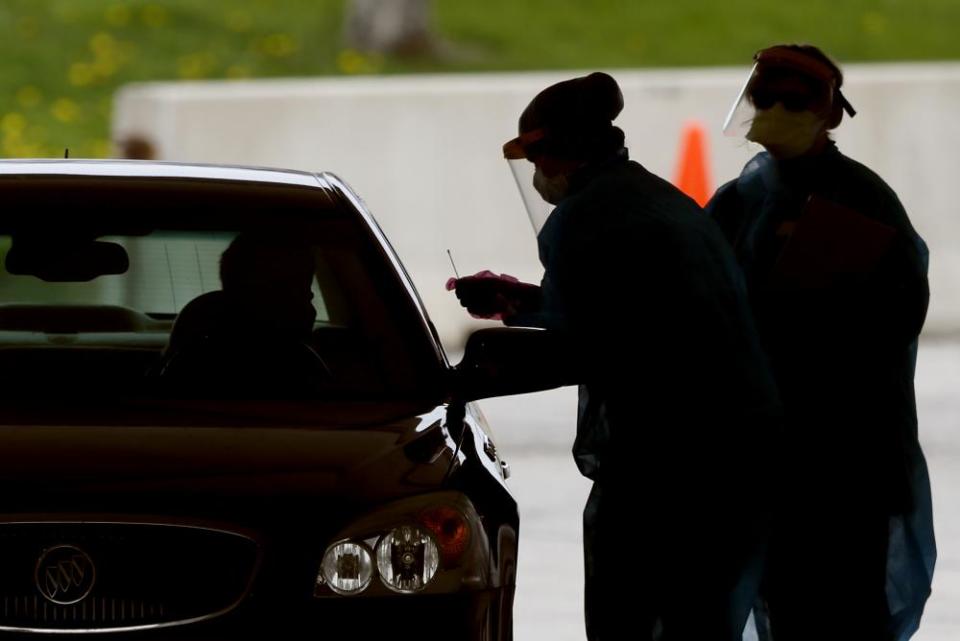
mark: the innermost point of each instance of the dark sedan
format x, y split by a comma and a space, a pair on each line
227, 415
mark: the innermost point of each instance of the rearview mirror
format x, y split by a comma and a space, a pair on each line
66, 261
506, 361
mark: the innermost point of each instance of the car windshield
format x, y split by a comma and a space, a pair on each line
161, 291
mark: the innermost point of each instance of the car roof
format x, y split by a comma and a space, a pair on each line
161, 170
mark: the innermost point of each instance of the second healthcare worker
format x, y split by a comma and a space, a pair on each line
837, 281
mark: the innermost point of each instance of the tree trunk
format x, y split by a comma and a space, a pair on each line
400, 27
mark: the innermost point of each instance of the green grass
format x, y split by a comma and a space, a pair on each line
61, 60
630, 33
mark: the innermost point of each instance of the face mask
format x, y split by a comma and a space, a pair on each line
552, 190
786, 134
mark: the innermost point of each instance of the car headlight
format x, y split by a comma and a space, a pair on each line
408, 559
432, 543
347, 568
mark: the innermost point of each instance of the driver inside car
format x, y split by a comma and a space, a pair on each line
252, 336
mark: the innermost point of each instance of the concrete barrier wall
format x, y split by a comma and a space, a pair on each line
424, 153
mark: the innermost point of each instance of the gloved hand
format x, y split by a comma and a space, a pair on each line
491, 296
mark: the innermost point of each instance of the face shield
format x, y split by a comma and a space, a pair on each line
786, 80
525, 174
742, 113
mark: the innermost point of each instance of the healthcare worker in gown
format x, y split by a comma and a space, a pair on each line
678, 413
837, 279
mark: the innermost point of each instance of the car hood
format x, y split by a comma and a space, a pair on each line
217, 470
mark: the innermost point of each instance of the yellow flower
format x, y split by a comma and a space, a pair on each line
29, 96
117, 15
196, 65
10, 140
103, 44
65, 110
154, 15
13, 124
12, 148
277, 45
352, 62
81, 74
108, 53
21, 149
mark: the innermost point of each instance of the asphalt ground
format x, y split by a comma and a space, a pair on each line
535, 433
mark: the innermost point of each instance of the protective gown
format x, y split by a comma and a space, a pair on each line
852, 551
678, 413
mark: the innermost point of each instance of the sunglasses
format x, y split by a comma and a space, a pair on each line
791, 100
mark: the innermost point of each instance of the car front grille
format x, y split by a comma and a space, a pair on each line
92, 613
63, 577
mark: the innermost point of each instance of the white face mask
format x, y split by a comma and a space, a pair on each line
786, 134
552, 190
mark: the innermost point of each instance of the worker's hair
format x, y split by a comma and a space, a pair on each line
817, 54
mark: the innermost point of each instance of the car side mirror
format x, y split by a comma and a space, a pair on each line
503, 361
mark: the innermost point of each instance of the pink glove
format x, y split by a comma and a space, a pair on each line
487, 295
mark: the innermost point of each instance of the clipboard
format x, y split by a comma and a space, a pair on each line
829, 241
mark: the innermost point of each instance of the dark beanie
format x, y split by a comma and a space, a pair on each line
577, 117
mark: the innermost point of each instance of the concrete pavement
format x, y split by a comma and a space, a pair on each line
534, 433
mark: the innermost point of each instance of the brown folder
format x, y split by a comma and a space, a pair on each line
830, 241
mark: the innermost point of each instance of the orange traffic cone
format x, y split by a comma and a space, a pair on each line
693, 173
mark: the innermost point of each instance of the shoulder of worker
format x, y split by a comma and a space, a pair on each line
632, 207
859, 187
757, 177
727, 210
627, 193
734, 201
861, 178
847, 181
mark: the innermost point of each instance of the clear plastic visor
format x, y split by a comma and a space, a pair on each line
814, 94
538, 210
742, 112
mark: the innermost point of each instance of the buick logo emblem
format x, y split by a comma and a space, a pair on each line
65, 575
